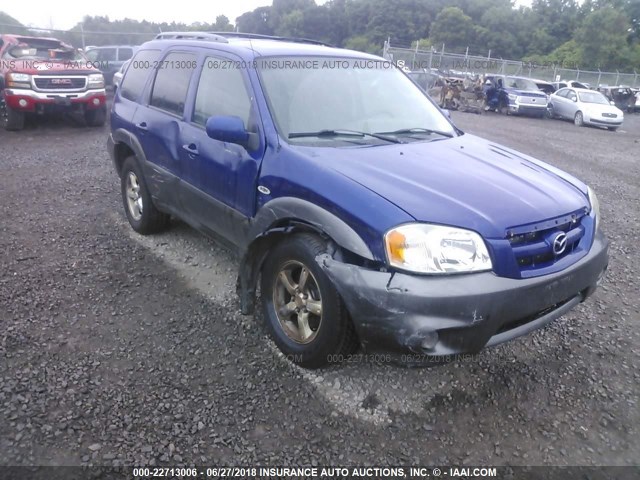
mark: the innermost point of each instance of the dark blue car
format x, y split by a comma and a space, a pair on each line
364, 216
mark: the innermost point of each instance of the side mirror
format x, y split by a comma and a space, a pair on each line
230, 129
446, 112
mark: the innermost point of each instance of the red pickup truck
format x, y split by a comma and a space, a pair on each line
38, 75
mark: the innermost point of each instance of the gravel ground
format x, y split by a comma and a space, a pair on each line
119, 349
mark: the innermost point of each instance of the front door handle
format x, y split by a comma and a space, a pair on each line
142, 126
191, 148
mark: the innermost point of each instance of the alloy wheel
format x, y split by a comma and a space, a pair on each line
297, 302
134, 197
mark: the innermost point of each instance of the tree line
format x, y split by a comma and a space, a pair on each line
601, 34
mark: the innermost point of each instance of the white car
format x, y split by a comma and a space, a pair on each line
585, 107
117, 77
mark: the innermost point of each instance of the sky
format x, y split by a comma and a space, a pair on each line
64, 15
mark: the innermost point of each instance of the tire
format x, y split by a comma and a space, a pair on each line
95, 118
550, 113
286, 301
578, 119
142, 214
10, 119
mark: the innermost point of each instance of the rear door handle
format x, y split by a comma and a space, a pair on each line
191, 148
142, 126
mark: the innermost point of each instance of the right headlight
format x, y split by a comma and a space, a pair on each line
424, 248
595, 206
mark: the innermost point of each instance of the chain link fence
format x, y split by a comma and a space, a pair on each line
415, 59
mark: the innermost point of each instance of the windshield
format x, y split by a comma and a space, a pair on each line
593, 97
34, 51
520, 83
316, 94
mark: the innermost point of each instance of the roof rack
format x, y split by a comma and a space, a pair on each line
223, 37
257, 36
213, 37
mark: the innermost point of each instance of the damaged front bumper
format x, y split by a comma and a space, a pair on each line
431, 316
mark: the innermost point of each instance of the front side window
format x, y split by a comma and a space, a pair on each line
221, 91
136, 78
313, 94
172, 82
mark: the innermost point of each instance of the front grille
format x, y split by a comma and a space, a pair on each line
60, 83
609, 115
533, 100
535, 249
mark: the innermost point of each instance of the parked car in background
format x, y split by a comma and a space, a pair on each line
622, 96
544, 86
515, 95
570, 84
39, 75
117, 77
585, 107
110, 58
636, 105
364, 214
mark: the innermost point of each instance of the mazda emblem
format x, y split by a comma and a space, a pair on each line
559, 243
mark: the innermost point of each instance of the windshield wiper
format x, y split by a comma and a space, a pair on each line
407, 131
343, 133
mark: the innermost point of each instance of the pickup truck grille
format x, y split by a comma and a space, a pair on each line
60, 83
541, 248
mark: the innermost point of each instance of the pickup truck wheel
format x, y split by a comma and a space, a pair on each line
10, 119
303, 311
95, 118
142, 214
578, 120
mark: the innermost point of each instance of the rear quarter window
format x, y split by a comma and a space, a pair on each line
137, 73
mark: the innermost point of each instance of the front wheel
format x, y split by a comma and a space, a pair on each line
95, 118
303, 310
578, 120
10, 119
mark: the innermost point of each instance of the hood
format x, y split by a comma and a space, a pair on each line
598, 108
464, 181
526, 93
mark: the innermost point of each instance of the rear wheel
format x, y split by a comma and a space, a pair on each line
10, 119
142, 214
578, 120
303, 310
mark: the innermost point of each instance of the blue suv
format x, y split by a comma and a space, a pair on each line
359, 211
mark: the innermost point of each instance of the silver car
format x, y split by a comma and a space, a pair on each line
585, 107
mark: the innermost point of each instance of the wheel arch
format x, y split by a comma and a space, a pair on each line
125, 144
280, 218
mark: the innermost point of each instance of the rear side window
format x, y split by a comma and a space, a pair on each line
221, 91
172, 82
125, 54
137, 73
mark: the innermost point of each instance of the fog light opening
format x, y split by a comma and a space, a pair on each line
96, 101
429, 340
22, 102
